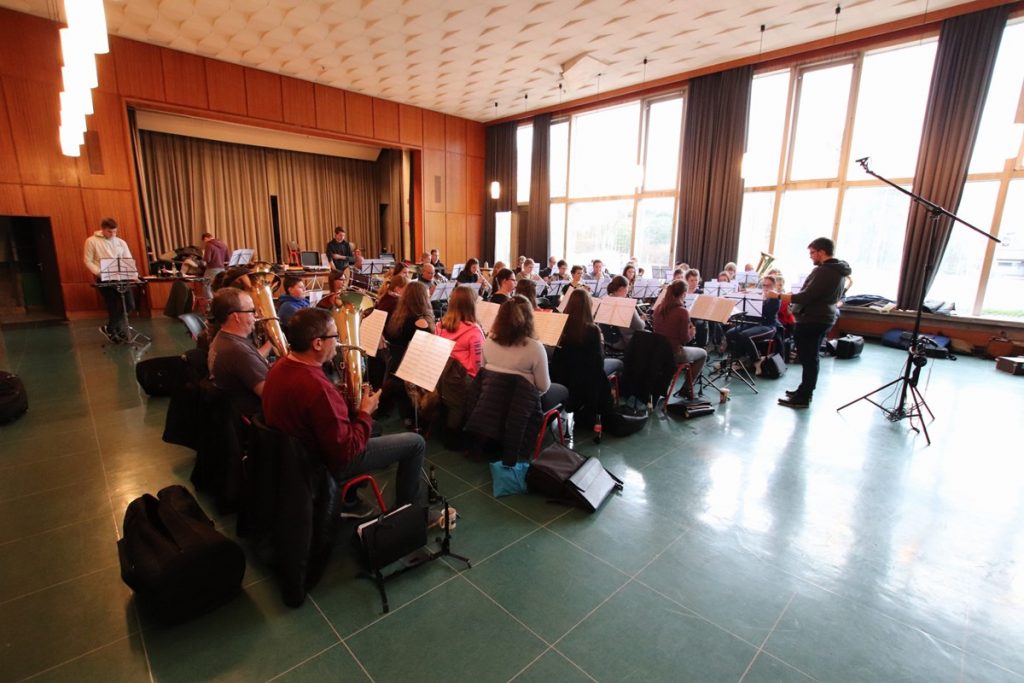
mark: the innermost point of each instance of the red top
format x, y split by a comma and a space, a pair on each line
300, 401
786, 316
673, 323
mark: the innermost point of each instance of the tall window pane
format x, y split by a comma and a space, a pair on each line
755, 227
524, 157
960, 270
1004, 296
998, 138
653, 233
803, 216
663, 129
821, 120
556, 236
765, 128
558, 155
604, 152
599, 230
889, 133
871, 236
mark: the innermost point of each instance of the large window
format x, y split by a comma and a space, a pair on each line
807, 127
614, 182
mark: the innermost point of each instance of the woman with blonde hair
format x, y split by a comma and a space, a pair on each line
459, 324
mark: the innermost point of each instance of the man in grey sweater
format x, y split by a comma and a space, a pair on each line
816, 312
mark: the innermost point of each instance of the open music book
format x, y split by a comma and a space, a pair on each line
547, 327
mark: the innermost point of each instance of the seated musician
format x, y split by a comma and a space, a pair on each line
236, 366
598, 271
427, 276
293, 300
551, 268
357, 260
519, 264
575, 280
470, 273
629, 273
459, 324
730, 268
527, 272
528, 289
435, 260
390, 294
672, 320
337, 282
413, 313
510, 348
618, 287
504, 283
579, 361
743, 339
561, 272
299, 400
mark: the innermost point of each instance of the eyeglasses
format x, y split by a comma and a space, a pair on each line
246, 310
328, 336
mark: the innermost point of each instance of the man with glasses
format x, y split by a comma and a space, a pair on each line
302, 402
236, 365
105, 244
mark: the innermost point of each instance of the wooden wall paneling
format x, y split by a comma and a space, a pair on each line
63, 206
108, 121
34, 112
330, 108
474, 235
299, 103
455, 134
8, 157
185, 79
433, 180
29, 47
410, 125
81, 300
455, 183
263, 95
433, 130
106, 73
140, 71
385, 120
120, 205
359, 114
433, 234
455, 236
225, 87
475, 185
12, 203
475, 139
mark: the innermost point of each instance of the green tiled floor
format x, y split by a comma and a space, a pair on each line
758, 544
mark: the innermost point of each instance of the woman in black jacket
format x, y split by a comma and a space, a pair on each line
579, 361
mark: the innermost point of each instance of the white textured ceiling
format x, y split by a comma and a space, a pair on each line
463, 56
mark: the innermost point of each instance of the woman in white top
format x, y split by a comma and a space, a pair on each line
511, 348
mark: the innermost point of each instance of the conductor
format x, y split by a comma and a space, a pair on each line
339, 251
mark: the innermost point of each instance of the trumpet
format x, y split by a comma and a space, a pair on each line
348, 309
262, 281
764, 264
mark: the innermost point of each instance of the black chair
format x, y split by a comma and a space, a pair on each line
194, 323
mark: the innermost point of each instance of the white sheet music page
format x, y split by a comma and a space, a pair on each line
425, 359
547, 327
486, 312
370, 331
616, 311
717, 309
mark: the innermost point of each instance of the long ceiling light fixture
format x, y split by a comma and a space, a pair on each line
83, 39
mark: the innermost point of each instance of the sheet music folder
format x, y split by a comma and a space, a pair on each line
425, 359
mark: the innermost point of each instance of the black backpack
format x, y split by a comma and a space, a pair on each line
13, 399
178, 565
563, 475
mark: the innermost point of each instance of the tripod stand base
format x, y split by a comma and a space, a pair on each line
730, 368
910, 410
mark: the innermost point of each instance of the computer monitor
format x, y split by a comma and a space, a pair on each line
310, 259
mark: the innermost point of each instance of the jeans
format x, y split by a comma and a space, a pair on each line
613, 366
117, 317
406, 449
808, 338
556, 393
210, 275
694, 356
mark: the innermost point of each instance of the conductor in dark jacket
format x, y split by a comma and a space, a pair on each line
816, 312
339, 251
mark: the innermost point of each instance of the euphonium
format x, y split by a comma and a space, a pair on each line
765, 263
263, 278
347, 309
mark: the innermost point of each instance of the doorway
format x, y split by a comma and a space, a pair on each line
30, 288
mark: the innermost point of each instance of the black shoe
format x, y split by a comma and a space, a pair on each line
795, 401
106, 332
791, 393
359, 510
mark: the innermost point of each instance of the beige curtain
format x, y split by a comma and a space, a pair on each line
196, 186
316, 193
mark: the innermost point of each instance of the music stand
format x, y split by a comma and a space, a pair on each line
241, 257
443, 291
662, 273
120, 274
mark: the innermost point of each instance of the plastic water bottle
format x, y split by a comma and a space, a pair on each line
597, 429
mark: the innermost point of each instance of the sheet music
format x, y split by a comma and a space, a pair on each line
719, 288
688, 301
602, 287
486, 312
716, 309
240, 257
314, 296
456, 269
662, 273
370, 331
475, 286
645, 288
541, 288
118, 270
425, 359
749, 303
748, 277
548, 327
442, 291
616, 311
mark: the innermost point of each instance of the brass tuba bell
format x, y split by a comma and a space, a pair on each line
347, 309
263, 279
765, 263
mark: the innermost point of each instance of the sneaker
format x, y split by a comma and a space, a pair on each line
359, 510
106, 332
795, 402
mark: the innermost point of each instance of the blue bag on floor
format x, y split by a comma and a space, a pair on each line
508, 481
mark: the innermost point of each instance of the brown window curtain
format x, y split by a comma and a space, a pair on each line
315, 193
711, 187
966, 55
500, 165
538, 224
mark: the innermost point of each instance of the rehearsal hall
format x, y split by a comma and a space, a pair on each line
548, 340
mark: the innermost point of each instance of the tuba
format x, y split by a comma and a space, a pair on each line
347, 310
764, 264
263, 280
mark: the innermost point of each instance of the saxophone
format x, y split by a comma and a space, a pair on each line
263, 280
347, 310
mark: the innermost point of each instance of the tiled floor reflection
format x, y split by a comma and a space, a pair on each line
757, 544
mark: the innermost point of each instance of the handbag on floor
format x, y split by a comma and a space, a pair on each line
565, 476
13, 399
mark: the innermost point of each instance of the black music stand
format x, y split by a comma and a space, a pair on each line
910, 403
120, 274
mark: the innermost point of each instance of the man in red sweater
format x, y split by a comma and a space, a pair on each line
299, 400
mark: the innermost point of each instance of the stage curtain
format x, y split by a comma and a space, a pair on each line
964, 61
711, 187
500, 165
534, 243
315, 193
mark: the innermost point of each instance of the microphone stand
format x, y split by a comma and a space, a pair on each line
910, 401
